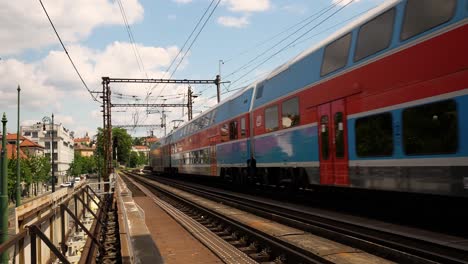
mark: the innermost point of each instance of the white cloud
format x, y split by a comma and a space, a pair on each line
295, 9
343, 2
237, 22
247, 5
51, 85
24, 21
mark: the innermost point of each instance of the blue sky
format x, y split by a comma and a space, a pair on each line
97, 40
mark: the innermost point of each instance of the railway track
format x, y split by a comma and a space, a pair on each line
396, 247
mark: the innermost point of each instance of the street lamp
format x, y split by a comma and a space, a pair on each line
47, 120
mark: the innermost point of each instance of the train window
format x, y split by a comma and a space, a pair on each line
431, 128
271, 118
233, 130
243, 130
290, 113
224, 132
339, 135
375, 35
422, 15
374, 135
324, 136
336, 54
259, 93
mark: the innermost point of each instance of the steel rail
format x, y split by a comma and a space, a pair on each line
393, 246
293, 253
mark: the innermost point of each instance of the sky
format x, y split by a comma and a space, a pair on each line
98, 41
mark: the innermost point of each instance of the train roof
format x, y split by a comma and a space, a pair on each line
344, 30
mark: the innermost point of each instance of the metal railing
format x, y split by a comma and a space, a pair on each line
49, 226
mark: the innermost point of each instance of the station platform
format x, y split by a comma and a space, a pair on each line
149, 235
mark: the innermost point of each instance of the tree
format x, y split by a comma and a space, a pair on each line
134, 159
121, 144
142, 159
138, 141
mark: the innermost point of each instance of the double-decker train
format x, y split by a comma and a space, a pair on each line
381, 104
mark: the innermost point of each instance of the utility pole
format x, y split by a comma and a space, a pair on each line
18, 171
218, 87
52, 155
190, 96
4, 191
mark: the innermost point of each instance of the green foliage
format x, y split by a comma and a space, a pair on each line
121, 144
138, 141
137, 159
81, 165
33, 170
142, 159
134, 160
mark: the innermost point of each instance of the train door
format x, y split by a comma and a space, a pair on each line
213, 169
333, 143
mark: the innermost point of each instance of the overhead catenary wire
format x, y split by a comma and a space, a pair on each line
183, 46
292, 42
136, 53
193, 42
267, 40
250, 62
68, 55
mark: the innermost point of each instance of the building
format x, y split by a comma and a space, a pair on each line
86, 141
150, 141
63, 144
27, 147
84, 147
141, 149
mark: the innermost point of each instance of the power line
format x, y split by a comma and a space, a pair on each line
249, 63
292, 42
183, 46
136, 53
68, 55
193, 42
261, 43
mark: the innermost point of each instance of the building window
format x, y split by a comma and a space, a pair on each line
375, 35
336, 54
55, 155
243, 129
54, 145
324, 135
431, 128
233, 130
422, 15
339, 135
34, 134
47, 145
27, 133
374, 135
271, 118
290, 113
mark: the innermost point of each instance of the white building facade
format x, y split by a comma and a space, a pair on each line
63, 145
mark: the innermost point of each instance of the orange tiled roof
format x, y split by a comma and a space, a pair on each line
29, 144
152, 139
141, 147
11, 152
79, 140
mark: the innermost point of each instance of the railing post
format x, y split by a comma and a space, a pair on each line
63, 243
76, 210
33, 248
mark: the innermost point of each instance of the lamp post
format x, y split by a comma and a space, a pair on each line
47, 120
4, 192
18, 171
